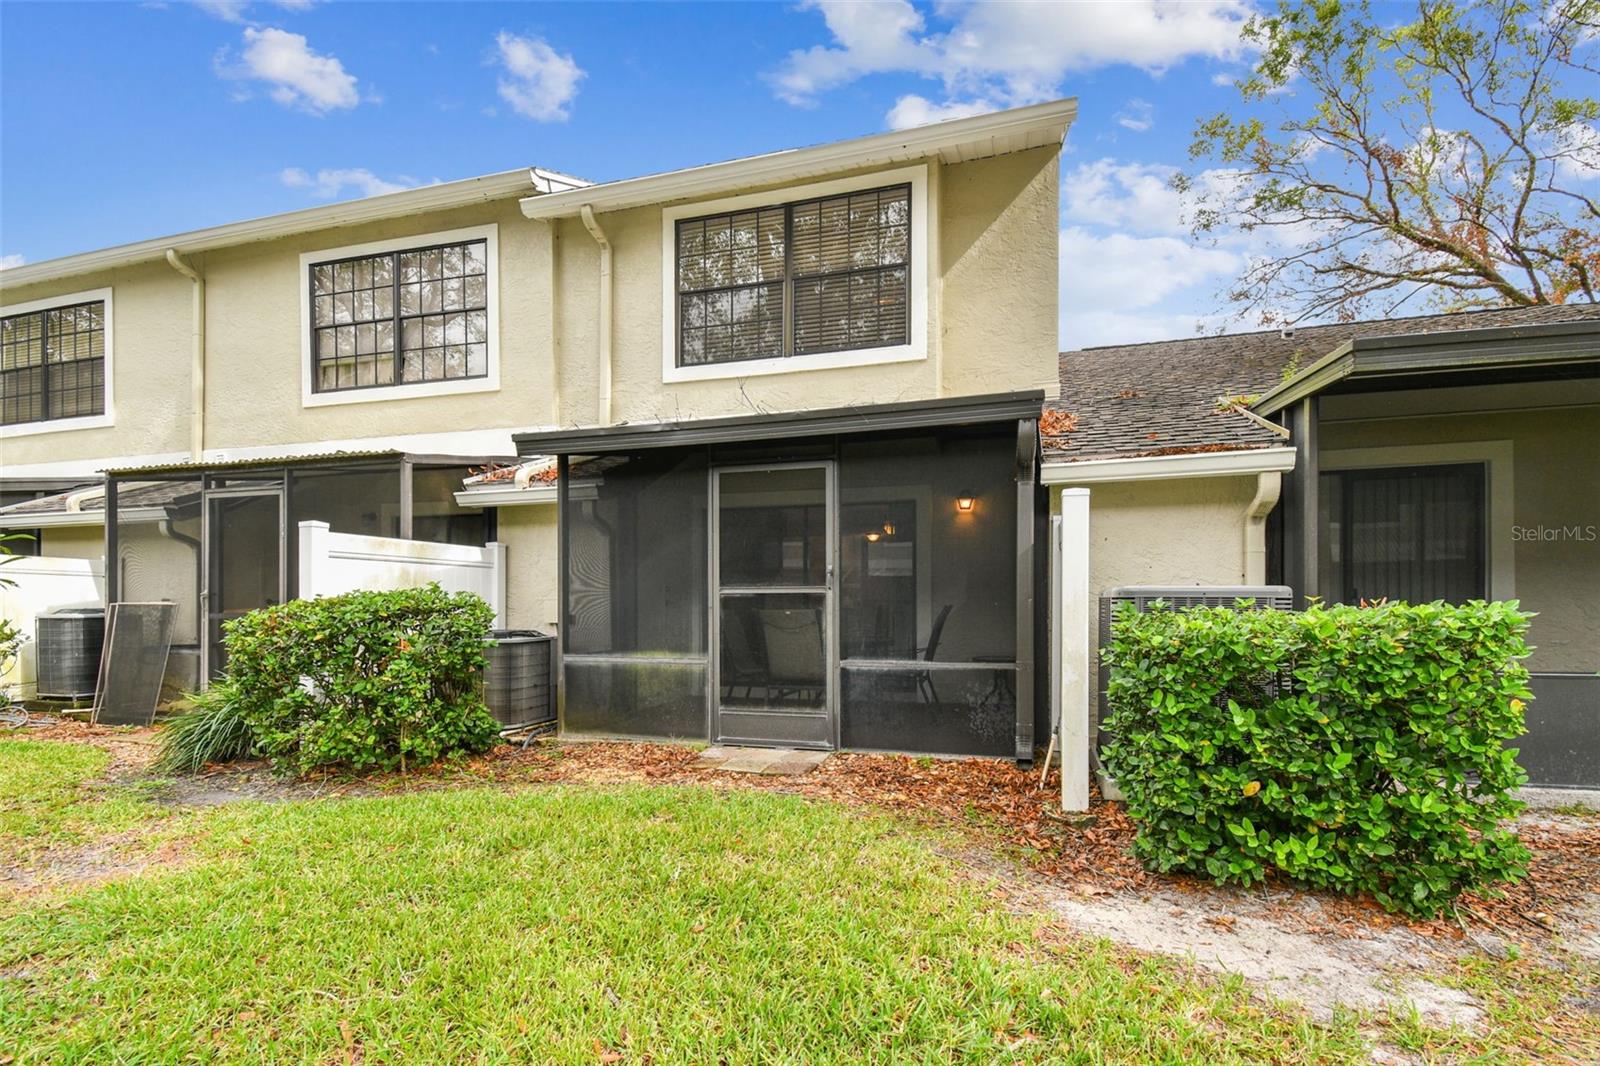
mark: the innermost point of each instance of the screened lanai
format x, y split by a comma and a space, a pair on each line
219, 539
859, 579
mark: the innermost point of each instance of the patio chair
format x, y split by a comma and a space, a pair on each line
925, 686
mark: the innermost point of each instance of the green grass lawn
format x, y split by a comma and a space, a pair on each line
50, 794
574, 925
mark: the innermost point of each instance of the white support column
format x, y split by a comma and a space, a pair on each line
313, 556
1071, 596
497, 582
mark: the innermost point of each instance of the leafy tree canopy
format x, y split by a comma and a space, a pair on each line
1381, 152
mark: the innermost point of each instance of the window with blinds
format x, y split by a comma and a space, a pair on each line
814, 276
53, 364
1416, 534
401, 317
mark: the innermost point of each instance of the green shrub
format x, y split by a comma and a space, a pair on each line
213, 730
1348, 748
366, 680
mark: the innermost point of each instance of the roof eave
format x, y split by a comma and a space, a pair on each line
1233, 462
446, 195
1037, 125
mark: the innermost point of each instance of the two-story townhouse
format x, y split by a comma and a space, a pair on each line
791, 400
330, 364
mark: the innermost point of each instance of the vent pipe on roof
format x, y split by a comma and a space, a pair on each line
197, 358
599, 235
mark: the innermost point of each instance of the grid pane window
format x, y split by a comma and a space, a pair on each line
401, 317
53, 364
798, 279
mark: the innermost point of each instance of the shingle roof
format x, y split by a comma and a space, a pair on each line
1162, 398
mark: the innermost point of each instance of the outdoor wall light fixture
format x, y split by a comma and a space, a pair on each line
888, 529
965, 502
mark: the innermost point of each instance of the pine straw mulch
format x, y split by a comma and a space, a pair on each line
992, 800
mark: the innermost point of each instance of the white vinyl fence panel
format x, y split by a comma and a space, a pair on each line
331, 563
43, 584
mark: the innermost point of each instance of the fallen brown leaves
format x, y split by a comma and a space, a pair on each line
993, 801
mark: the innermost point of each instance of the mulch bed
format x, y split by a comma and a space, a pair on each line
992, 800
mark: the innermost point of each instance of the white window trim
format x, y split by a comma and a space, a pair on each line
489, 234
62, 425
921, 252
1497, 458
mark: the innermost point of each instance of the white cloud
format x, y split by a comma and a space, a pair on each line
1122, 272
227, 10
1118, 289
1137, 115
13, 260
1017, 53
539, 82
913, 110
295, 75
329, 184
1577, 151
234, 10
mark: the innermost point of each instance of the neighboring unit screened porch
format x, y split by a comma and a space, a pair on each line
861, 579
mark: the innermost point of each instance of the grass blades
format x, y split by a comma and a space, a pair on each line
570, 925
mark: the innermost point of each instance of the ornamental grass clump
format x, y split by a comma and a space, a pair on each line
1347, 748
214, 730
365, 680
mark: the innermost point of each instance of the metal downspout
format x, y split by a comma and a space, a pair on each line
1269, 486
599, 235
197, 359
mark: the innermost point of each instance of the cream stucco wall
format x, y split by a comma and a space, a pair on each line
1177, 531
992, 310
529, 534
74, 542
149, 368
1556, 488
992, 328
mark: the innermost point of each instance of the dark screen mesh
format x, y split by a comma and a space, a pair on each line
636, 655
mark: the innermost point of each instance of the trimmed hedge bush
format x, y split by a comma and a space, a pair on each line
366, 680
1349, 748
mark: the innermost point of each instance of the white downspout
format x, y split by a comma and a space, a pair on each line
1269, 484
599, 236
197, 359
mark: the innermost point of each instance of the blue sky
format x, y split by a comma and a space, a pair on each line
125, 121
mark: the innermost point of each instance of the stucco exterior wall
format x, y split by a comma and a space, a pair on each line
529, 534
991, 328
1178, 531
150, 334
1555, 518
992, 307
255, 343
74, 542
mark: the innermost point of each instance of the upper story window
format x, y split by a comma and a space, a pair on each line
833, 276
407, 317
825, 275
53, 362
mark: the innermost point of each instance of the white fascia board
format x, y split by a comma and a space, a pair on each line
56, 520
506, 497
1155, 467
389, 205
975, 137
